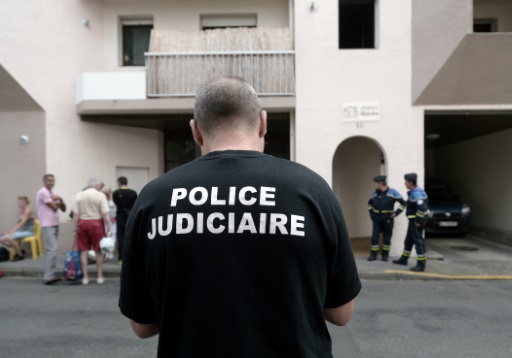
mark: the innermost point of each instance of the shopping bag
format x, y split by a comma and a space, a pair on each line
72, 267
107, 245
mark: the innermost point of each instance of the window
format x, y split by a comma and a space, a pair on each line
210, 22
485, 25
357, 24
136, 34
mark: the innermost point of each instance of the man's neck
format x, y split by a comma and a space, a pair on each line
123, 187
232, 140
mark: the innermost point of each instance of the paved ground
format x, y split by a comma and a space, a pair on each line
392, 319
490, 260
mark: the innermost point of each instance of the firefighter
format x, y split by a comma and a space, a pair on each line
381, 207
417, 212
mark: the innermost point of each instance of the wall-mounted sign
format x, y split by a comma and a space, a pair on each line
360, 111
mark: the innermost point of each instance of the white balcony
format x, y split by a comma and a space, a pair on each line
100, 86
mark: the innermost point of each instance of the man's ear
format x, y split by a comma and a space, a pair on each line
198, 137
263, 124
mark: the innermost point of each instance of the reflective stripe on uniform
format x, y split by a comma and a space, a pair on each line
411, 216
422, 214
375, 248
386, 248
406, 254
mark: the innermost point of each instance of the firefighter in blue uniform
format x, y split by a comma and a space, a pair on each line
381, 207
417, 212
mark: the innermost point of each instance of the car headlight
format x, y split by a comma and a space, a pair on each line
465, 209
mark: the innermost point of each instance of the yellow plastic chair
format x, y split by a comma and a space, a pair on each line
36, 245
12, 252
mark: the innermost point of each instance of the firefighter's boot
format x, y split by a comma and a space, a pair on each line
373, 256
420, 267
401, 261
385, 255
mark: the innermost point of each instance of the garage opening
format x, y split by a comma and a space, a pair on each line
356, 162
471, 152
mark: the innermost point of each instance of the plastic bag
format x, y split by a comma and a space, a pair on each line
107, 246
72, 267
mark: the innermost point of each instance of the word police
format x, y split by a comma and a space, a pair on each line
226, 223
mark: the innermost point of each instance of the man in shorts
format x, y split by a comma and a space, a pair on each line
238, 253
91, 217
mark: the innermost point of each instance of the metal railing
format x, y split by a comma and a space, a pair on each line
179, 74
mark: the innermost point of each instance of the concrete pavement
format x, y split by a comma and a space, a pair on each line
470, 258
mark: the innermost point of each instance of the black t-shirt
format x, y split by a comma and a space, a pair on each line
124, 199
237, 254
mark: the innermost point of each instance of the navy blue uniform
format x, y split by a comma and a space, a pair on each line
417, 212
381, 206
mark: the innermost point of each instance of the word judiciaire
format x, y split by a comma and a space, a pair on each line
226, 223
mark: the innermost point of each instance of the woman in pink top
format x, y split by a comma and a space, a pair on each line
24, 228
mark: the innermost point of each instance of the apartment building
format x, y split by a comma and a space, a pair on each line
354, 88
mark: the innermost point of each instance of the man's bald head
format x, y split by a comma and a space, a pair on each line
226, 103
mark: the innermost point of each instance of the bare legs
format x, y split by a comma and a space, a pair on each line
10, 242
84, 261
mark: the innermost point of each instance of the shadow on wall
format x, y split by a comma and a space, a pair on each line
356, 162
23, 159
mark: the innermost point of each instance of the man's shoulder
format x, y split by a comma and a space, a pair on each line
42, 191
417, 194
394, 193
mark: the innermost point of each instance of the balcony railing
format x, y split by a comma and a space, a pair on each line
179, 74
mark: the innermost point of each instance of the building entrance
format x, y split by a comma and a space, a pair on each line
356, 162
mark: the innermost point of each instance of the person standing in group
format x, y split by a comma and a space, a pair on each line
417, 213
112, 208
237, 253
124, 198
382, 212
48, 204
91, 217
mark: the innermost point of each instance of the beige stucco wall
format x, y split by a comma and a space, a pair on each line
45, 47
327, 76
492, 9
438, 26
480, 171
182, 16
20, 161
477, 72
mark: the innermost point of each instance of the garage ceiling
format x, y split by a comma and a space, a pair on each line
177, 125
453, 128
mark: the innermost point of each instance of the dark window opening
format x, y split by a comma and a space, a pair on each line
356, 24
213, 22
135, 44
225, 27
484, 25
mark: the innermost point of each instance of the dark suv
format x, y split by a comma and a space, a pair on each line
448, 215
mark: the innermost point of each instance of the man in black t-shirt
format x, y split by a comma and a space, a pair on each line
238, 253
124, 198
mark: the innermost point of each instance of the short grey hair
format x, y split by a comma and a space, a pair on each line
226, 102
93, 182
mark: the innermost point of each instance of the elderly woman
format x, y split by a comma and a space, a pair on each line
24, 228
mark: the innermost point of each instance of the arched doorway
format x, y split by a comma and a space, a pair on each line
356, 162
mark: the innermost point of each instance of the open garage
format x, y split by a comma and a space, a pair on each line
472, 152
